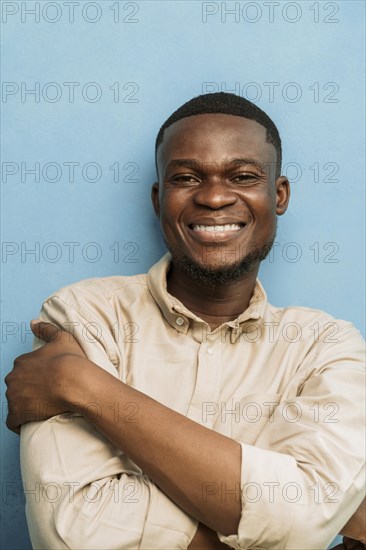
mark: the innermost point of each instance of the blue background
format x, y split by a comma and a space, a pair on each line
160, 54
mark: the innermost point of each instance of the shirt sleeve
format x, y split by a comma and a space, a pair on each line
81, 491
304, 477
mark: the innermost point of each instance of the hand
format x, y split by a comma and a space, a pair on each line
355, 528
206, 539
36, 385
350, 544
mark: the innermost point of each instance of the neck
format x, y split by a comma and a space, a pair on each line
215, 304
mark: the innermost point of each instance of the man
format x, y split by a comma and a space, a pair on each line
197, 407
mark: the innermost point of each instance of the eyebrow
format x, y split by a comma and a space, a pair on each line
193, 163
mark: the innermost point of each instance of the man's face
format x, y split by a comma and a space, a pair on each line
217, 197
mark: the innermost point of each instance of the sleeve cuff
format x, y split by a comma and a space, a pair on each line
269, 489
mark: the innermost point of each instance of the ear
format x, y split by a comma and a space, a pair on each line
155, 198
282, 195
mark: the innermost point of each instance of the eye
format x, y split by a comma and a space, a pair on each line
187, 179
245, 178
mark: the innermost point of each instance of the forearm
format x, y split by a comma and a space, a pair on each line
355, 528
100, 495
206, 539
183, 456
60, 374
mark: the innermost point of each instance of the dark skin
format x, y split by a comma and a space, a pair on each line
204, 181
225, 181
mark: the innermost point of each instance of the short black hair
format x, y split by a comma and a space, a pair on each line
227, 104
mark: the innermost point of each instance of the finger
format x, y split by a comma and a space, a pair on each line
13, 421
45, 331
12, 427
15, 430
351, 544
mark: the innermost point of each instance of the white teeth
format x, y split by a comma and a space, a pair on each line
226, 227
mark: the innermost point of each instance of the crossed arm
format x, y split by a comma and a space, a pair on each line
59, 374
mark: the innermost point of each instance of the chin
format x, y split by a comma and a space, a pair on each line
217, 273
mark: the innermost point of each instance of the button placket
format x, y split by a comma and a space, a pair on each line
207, 382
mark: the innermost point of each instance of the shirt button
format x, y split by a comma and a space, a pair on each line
210, 351
179, 321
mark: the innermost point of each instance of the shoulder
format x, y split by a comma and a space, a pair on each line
319, 332
305, 316
101, 298
100, 290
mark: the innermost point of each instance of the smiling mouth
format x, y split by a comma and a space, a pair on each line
217, 228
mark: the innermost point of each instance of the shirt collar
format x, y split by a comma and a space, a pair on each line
178, 315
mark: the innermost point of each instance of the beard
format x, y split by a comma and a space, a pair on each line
212, 276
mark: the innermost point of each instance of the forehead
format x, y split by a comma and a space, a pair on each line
215, 138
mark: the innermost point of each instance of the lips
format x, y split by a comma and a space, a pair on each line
217, 228
210, 231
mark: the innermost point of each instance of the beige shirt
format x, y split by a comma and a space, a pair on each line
287, 383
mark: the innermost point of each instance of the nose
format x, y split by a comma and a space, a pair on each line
214, 193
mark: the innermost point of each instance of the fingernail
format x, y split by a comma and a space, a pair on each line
35, 322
